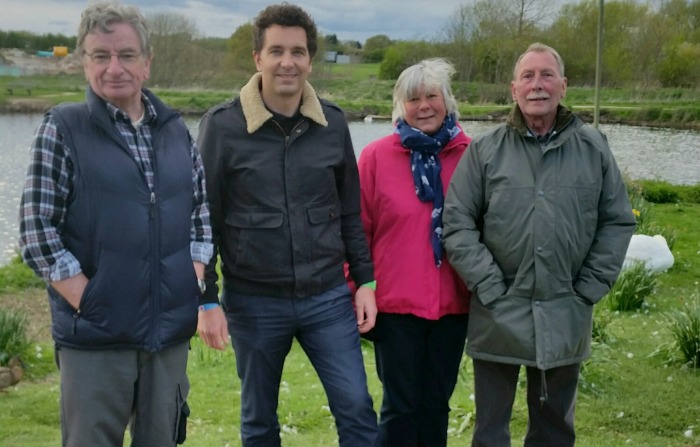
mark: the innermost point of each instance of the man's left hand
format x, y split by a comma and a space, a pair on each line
365, 309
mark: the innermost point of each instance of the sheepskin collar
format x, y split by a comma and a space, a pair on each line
256, 114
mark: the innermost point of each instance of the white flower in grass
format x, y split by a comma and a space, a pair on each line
284, 387
471, 397
669, 379
287, 429
326, 408
630, 355
688, 433
620, 415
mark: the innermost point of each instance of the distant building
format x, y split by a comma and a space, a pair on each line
330, 56
334, 57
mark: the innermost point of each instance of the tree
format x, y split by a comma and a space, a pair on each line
459, 33
177, 60
239, 57
375, 47
403, 54
486, 36
392, 64
574, 32
680, 65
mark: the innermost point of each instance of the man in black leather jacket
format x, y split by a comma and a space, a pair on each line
285, 209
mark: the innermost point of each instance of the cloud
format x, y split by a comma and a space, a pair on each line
348, 20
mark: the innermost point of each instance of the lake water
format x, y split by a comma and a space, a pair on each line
642, 153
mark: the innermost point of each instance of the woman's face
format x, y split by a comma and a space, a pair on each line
426, 110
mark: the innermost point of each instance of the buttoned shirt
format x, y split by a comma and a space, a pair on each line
50, 181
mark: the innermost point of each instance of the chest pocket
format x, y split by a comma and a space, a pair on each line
326, 241
256, 239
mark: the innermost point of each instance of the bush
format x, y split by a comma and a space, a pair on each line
685, 328
601, 322
13, 335
691, 194
660, 192
17, 276
631, 288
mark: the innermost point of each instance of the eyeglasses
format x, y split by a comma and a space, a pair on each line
103, 58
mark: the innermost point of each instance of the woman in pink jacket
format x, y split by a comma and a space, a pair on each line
423, 304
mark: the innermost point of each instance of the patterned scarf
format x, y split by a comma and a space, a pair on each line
425, 166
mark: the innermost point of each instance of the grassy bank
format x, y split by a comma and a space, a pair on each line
357, 90
634, 390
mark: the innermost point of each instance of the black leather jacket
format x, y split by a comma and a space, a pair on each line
285, 209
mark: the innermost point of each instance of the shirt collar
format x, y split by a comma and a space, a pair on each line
118, 114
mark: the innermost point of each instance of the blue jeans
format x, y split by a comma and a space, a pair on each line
262, 330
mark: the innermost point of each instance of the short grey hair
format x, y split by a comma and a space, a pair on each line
538, 47
428, 73
102, 15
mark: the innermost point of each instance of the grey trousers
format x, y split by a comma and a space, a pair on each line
550, 404
104, 391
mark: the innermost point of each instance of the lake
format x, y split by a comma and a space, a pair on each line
641, 152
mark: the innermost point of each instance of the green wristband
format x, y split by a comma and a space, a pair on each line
372, 285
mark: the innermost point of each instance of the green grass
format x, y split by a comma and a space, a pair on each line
355, 87
641, 398
16, 276
685, 328
13, 335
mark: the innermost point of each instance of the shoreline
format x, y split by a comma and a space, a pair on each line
35, 105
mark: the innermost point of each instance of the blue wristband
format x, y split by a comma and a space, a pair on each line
207, 306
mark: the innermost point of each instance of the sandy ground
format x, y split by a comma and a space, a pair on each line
30, 64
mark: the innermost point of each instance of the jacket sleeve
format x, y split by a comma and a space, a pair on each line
464, 207
208, 145
356, 248
616, 224
367, 165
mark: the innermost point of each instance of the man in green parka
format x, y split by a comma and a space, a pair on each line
537, 222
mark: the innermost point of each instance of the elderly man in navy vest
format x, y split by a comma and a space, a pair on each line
114, 218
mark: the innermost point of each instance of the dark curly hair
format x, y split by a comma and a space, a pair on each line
284, 14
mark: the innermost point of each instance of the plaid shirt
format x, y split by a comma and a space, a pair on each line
49, 183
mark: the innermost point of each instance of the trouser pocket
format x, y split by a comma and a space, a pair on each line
183, 413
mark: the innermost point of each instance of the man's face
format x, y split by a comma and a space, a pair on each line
284, 61
114, 65
538, 87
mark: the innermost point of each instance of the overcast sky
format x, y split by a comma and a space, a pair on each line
347, 19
